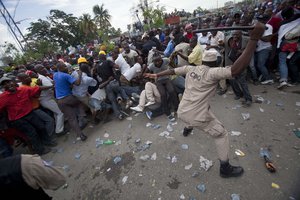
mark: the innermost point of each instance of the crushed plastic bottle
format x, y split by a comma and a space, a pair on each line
117, 159
157, 126
188, 167
174, 159
264, 152
109, 142
201, 188
184, 146
246, 116
99, 142
182, 196
154, 156
235, 197
124, 179
169, 127
77, 155
144, 157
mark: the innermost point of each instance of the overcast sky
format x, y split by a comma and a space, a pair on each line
27, 11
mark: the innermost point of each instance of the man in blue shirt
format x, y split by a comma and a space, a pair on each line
66, 101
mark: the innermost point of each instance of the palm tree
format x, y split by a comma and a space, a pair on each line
102, 16
87, 26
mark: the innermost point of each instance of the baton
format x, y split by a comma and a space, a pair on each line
245, 28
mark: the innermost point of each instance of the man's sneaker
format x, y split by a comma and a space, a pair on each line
282, 84
187, 131
227, 170
149, 103
221, 92
171, 118
137, 109
149, 114
247, 103
267, 82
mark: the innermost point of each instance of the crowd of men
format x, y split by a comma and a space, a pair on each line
147, 73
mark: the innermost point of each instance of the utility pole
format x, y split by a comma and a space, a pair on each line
13, 27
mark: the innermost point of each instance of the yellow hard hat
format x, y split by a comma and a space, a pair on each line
102, 52
81, 60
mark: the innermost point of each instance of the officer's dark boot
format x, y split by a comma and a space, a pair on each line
227, 170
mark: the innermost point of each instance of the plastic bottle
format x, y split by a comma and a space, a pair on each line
235, 197
117, 159
109, 142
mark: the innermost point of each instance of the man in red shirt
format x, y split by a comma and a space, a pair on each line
17, 102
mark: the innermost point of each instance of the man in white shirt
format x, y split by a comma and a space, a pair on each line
263, 51
47, 99
129, 54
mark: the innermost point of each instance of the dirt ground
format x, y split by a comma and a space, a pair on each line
95, 175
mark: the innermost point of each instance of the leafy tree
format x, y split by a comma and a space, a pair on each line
87, 27
102, 17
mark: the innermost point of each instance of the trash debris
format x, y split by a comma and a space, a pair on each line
297, 133
138, 140
117, 159
236, 107
205, 163
195, 174
124, 179
108, 169
97, 168
188, 167
106, 135
169, 127
259, 99
99, 142
109, 142
153, 126
261, 109
148, 124
137, 114
184, 146
164, 134
129, 118
182, 196
174, 159
192, 198
77, 155
239, 153
153, 156
143, 147
279, 104
235, 197
201, 188
246, 116
224, 96
235, 133
276, 186
148, 142
298, 103
264, 153
118, 142
144, 157
272, 120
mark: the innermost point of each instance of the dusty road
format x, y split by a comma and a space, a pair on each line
95, 175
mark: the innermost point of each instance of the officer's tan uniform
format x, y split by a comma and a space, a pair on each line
194, 109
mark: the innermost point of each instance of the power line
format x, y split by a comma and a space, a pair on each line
13, 27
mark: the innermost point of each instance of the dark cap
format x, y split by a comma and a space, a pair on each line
3, 79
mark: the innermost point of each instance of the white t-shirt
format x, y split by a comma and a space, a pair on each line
132, 72
264, 45
123, 65
214, 41
46, 81
203, 39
